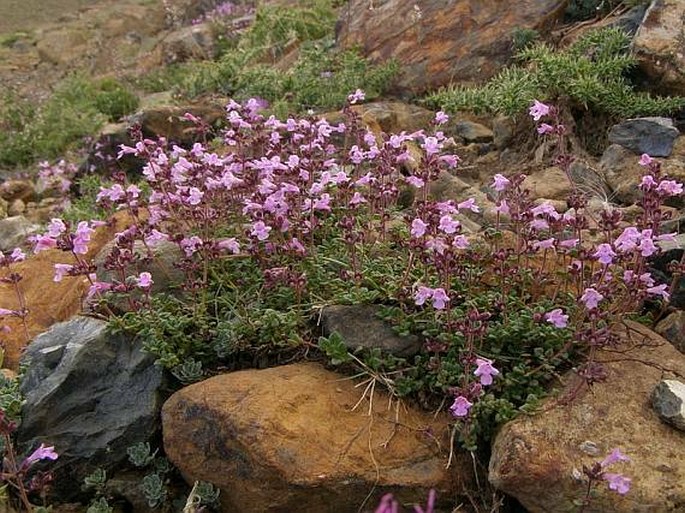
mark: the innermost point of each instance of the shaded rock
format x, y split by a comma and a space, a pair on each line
102, 154
360, 327
3, 208
286, 439
535, 458
672, 328
166, 276
653, 136
550, 183
622, 173
168, 121
472, 132
658, 46
17, 207
668, 400
18, 189
64, 45
188, 43
439, 42
14, 231
659, 267
589, 180
127, 486
91, 395
503, 130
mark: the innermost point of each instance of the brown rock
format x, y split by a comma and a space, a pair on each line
287, 439
659, 46
534, 458
18, 189
17, 207
63, 46
440, 42
48, 302
550, 183
672, 328
167, 121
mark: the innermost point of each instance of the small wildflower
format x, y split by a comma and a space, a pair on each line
485, 371
591, 298
538, 110
144, 280
557, 318
42, 453
645, 160
357, 96
500, 183
418, 228
440, 299
461, 406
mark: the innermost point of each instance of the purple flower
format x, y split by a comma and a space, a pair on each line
42, 453
647, 183
82, 238
469, 204
500, 183
357, 96
387, 505
18, 255
557, 318
448, 225
544, 128
659, 290
440, 298
61, 270
56, 228
614, 457
441, 118
5, 312
422, 294
461, 406
617, 482
591, 298
144, 280
485, 371
260, 230
538, 110
645, 160
431, 145
544, 244
194, 196
44, 242
229, 244
670, 187
418, 228
415, 181
605, 254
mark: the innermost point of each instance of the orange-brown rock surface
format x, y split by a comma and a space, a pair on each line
286, 439
438, 42
534, 457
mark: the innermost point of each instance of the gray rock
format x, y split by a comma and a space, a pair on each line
14, 232
360, 327
192, 42
654, 136
668, 400
622, 172
503, 128
91, 395
672, 328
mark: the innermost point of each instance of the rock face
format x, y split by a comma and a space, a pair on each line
668, 400
653, 136
360, 327
286, 439
437, 42
534, 458
91, 395
672, 328
659, 46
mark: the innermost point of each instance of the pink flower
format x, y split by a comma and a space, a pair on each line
604, 254
659, 290
469, 204
460, 242
538, 110
144, 280
357, 199
42, 453
485, 371
670, 187
461, 406
500, 183
645, 160
440, 299
441, 118
557, 318
546, 209
591, 298
617, 482
415, 181
646, 246
628, 239
614, 457
503, 207
388, 504
155, 237
544, 244
5, 312
647, 183
418, 228
61, 270
544, 128
56, 228
82, 238
229, 244
44, 242
450, 160
97, 287
18, 255
195, 196
431, 145
357, 96
191, 244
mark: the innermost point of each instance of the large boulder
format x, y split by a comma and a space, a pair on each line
537, 458
654, 136
437, 42
91, 395
659, 46
289, 439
